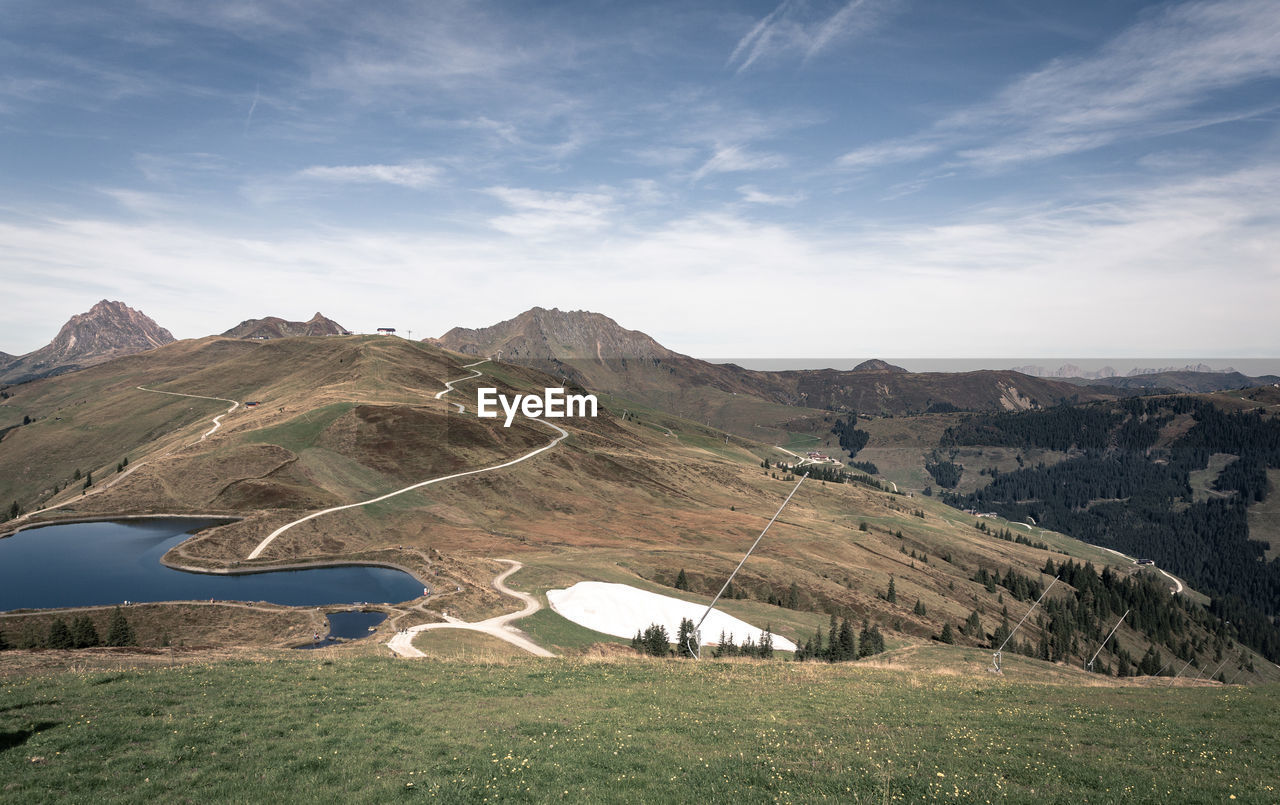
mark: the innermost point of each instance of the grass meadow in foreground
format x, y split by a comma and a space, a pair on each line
375, 729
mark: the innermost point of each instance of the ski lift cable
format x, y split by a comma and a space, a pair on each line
1109, 636
995, 666
696, 647
1029, 611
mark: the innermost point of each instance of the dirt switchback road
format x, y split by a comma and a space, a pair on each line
497, 626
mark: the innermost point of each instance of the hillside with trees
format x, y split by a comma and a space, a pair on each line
1128, 488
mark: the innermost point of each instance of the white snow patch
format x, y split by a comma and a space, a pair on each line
621, 610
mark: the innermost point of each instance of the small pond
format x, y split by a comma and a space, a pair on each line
345, 626
102, 563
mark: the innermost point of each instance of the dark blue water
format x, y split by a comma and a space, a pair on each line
348, 626
94, 564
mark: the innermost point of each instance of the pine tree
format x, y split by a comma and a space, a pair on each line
793, 597
119, 632
88, 479
973, 626
682, 581
865, 643
59, 635
83, 633
14, 510
4, 644
848, 645
892, 595
947, 636
765, 649
656, 641
637, 642
919, 608
685, 638
877, 640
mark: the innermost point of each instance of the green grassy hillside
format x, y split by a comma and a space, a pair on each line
372, 729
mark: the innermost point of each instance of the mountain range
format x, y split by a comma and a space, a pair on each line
592, 350
595, 351
1070, 370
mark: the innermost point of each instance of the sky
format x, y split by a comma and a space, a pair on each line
737, 179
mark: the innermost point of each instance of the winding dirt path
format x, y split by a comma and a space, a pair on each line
125, 473
448, 386
563, 434
497, 626
1177, 585
217, 420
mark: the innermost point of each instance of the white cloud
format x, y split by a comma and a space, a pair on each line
754, 195
415, 175
733, 158
1165, 74
874, 156
538, 214
793, 27
140, 202
1156, 271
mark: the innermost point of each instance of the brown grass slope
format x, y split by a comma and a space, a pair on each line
342, 419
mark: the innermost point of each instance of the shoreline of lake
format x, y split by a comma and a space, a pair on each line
137, 572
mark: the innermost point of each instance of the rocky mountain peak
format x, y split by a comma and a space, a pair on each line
877, 365
107, 327
542, 334
276, 327
107, 330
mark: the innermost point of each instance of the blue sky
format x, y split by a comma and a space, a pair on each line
875, 177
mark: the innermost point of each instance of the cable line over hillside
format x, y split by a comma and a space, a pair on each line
1089, 665
694, 641
995, 665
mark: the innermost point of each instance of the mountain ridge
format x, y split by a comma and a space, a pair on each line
276, 327
595, 351
107, 330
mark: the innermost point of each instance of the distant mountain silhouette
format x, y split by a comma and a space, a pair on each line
594, 351
877, 365
275, 327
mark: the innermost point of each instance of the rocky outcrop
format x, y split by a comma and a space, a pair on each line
108, 330
275, 327
877, 365
539, 334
